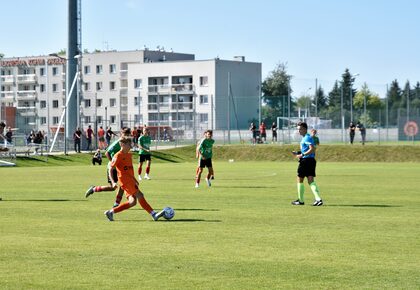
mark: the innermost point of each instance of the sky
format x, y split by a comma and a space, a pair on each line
376, 40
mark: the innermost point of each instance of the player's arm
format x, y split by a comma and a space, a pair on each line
310, 151
200, 150
114, 183
108, 155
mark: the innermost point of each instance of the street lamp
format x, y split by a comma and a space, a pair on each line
351, 96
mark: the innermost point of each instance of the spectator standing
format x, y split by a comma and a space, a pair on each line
89, 135
101, 137
253, 130
263, 131
9, 135
77, 137
108, 135
352, 132
362, 130
274, 132
2, 137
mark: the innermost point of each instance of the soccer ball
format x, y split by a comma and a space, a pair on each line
168, 213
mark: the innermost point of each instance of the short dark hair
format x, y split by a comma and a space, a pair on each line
209, 131
303, 124
2, 124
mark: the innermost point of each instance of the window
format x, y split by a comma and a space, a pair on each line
42, 88
112, 86
55, 88
55, 71
87, 119
137, 118
204, 99
55, 103
87, 69
55, 120
204, 118
204, 81
87, 86
99, 69
99, 119
112, 69
112, 119
137, 83
136, 101
42, 71
43, 104
99, 86
112, 102
43, 120
99, 102
87, 103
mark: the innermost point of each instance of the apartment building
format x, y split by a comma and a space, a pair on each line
128, 88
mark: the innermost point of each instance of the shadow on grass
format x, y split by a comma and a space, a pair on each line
364, 205
245, 186
176, 221
186, 209
43, 200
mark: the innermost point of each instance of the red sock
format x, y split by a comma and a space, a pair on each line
97, 189
145, 205
122, 207
139, 170
147, 169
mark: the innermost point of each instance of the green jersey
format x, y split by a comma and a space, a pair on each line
205, 148
144, 144
114, 148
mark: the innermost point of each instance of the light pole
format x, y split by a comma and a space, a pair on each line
351, 96
48, 102
68, 92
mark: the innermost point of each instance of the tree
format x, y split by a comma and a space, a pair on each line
372, 99
321, 99
276, 89
1, 55
394, 95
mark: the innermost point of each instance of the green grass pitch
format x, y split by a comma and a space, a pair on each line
242, 233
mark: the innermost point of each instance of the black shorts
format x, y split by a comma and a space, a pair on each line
205, 163
114, 175
143, 157
306, 167
263, 135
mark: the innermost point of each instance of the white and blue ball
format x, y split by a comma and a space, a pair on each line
168, 213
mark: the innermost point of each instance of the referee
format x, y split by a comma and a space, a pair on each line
307, 166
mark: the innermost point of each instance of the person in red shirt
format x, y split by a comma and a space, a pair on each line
89, 135
123, 162
263, 132
101, 138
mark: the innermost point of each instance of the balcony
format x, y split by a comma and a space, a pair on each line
123, 92
7, 96
182, 106
9, 79
123, 74
182, 88
27, 95
162, 107
26, 108
28, 113
27, 78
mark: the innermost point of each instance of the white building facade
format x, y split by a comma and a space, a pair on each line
131, 88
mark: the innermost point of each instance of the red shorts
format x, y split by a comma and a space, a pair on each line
130, 189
